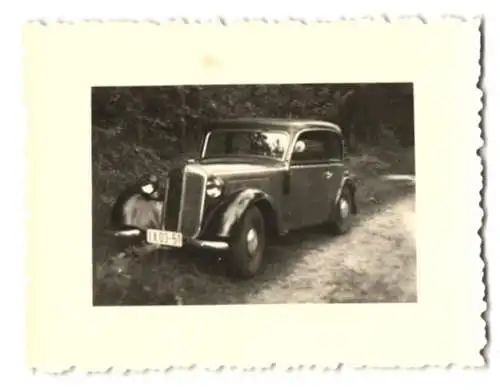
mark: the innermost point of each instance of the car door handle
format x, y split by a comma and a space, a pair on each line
327, 175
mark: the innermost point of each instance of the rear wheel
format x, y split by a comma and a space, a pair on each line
245, 255
342, 222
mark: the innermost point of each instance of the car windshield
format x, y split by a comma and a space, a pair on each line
241, 142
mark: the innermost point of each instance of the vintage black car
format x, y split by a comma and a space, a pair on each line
254, 180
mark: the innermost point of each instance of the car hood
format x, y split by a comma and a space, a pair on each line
228, 168
240, 169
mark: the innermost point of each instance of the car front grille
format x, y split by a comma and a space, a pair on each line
173, 204
185, 201
193, 199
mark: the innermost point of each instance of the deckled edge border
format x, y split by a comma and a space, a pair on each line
479, 152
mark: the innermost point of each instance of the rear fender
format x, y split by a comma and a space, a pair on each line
347, 182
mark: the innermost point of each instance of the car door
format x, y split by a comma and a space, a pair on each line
315, 175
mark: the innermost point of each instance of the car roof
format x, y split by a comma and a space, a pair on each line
290, 124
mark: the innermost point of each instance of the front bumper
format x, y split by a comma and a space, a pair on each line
197, 243
205, 244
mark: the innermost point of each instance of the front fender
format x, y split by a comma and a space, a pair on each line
226, 216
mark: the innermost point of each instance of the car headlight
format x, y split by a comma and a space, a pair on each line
148, 188
150, 185
215, 187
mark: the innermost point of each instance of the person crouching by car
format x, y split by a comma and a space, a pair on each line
139, 206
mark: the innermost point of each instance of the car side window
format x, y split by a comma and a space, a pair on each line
317, 146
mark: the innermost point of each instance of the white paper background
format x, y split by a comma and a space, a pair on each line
12, 284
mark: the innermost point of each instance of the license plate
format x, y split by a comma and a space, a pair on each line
164, 237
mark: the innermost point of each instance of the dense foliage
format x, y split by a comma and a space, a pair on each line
169, 119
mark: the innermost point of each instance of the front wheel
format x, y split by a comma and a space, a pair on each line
343, 212
245, 256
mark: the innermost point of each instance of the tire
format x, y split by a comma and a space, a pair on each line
342, 222
246, 247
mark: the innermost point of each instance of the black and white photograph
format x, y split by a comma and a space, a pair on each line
258, 193
249, 194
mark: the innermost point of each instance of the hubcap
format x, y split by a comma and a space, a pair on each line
344, 208
252, 241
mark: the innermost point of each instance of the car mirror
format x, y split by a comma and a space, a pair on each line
300, 146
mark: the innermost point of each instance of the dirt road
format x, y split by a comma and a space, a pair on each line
375, 262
